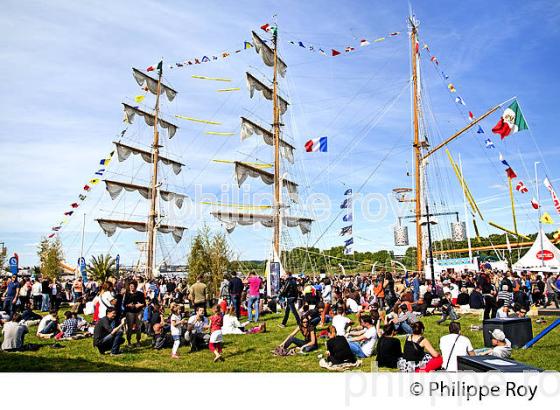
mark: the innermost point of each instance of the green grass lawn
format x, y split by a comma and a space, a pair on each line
243, 353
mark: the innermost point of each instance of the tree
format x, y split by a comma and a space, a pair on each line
210, 256
50, 256
102, 267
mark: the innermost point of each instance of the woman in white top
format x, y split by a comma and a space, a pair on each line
106, 299
326, 294
177, 322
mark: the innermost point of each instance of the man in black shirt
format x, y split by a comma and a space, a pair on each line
290, 292
235, 290
133, 303
338, 349
108, 336
476, 300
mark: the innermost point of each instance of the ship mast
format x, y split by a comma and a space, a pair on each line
416, 144
151, 226
276, 127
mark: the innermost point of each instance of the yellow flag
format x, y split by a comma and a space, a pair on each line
225, 90
546, 219
203, 77
139, 98
94, 181
224, 134
377, 40
198, 120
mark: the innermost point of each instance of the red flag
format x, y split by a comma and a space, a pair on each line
52, 235
534, 203
471, 116
417, 47
74, 205
511, 173
69, 213
87, 187
265, 27
335, 53
502, 128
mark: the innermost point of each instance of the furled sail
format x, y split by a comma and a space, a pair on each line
131, 111
249, 128
116, 187
254, 84
243, 170
151, 84
124, 151
110, 226
232, 219
267, 54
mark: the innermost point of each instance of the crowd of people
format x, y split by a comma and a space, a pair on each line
360, 315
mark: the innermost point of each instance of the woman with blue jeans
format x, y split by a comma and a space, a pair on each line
253, 296
309, 342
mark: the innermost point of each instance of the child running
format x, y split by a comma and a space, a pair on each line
176, 329
216, 337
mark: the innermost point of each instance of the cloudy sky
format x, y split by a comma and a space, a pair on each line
67, 67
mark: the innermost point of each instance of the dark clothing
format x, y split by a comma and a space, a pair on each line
490, 307
12, 290
103, 327
290, 289
476, 301
162, 341
103, 339
133, 298
339, 351
235, 286
388, 352
45, 287
412, 351
290, 305
463, 299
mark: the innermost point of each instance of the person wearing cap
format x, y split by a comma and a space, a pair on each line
502, 346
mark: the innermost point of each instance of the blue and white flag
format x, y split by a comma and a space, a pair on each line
503, 160
459, 100
83, 270
346, 230
346, 204
480, 130
347, 217
348, 251
316, 145
489, 143
349, 242
348, 191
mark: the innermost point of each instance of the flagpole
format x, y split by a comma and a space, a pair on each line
465, 209
539, 209
512, 205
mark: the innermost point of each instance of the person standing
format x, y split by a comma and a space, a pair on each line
46, 294
551, 290
11, 295
290, 292
235, 290
197, 294
326, 295
253, 296
133, 302
36, 294
77, 289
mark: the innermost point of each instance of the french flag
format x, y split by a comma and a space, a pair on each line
316, 145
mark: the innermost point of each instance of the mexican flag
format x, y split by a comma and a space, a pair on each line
512, 121
157, 66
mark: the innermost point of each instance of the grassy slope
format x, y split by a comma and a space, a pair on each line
243, 353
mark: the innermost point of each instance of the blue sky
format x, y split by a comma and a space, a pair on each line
67, 69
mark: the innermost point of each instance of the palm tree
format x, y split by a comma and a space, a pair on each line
102, 267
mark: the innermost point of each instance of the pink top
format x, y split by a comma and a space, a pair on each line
254, 285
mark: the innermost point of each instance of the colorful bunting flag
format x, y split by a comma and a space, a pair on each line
334, 52
100, 171
480, 131
511, 173
247, 45
87, 188
471, 116
434, 60
198, 120
547, 219
503, 161
349, 242
347, 218
451, 88
512, 121
52, 235
68, 213
158, 66
535, 204
316, 145
346, 230
82, 197
94, 181
555, 199
349, 49
489, 143
74, 205
346, 204
459, 100
348, 191
139, 98
521, 187
364, 43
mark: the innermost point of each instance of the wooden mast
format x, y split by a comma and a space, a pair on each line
416, 146
276, 126
153, 187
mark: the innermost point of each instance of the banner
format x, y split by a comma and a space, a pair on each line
274, 278
117, 264
83, 270
14, 262
555, 199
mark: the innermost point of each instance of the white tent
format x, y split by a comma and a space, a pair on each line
546, 259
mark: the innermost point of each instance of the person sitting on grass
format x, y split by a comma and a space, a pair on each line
232, 326
48, 326
28, 316
501, 345
452, 345
309, 342
216, 337
388, 348
69, 327
503, 310
14, 334
338, 349
107, 335
362, 345
160, 338
196, 328
418, 353
340, 322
